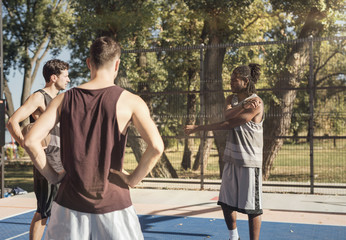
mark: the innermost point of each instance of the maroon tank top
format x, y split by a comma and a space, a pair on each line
91, 144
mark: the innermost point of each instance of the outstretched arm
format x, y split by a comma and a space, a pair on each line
32, 142
224, 125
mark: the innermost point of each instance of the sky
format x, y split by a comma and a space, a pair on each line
16, 83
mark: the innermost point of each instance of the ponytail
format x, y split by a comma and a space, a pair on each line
255, 70
251, 72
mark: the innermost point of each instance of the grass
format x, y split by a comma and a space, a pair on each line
292, 164
19, 174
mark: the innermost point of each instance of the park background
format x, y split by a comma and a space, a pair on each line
178, 56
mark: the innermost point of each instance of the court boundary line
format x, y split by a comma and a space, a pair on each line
17, 235
17, 214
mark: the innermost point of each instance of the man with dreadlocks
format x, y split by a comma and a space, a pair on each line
241, 188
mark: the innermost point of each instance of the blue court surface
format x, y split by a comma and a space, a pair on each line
190, 228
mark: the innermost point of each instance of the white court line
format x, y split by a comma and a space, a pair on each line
17, 214
17, 236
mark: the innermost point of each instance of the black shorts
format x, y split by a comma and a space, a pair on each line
45, 194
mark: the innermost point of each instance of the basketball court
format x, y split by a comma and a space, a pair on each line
189, 215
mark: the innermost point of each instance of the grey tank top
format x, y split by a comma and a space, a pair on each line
53, 149
244, 146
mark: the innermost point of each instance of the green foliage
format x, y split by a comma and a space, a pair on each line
21, 152
9, 153
131, 23
28, 24
168, 23
331, 13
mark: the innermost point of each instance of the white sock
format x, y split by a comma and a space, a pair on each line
233, 234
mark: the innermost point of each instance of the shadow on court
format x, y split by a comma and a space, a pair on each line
186, 228
192, 228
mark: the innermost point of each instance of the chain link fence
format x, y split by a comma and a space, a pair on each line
303, 88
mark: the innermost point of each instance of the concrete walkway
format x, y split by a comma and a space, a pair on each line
293, 208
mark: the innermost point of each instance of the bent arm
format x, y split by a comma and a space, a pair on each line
150, 134
30, 106
32, 141
243, 115
232, 113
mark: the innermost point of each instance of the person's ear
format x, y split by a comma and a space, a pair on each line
53, 78
117, 64
88, 63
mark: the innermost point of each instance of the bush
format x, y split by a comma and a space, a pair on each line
21, 152
9, 153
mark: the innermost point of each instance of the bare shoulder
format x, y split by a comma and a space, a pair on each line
36, 98
35, 102
130, 107
130, 99
259, 110
59, 98
57, 101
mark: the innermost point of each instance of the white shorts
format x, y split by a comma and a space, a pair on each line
67, 224
241, 189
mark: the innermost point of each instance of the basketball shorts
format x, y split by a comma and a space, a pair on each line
241, 189
45, 194
66, 224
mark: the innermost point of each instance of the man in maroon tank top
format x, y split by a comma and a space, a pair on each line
93, 201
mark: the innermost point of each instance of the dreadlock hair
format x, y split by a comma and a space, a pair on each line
251, 72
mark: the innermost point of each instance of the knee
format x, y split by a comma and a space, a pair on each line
254, 216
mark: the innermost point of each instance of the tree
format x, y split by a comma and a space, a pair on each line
129, 22
225, 22
167, 23
31, 30
179, 26
309, 18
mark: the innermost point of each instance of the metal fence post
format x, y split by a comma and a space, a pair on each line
2, 172
1, 97
201, 155
311, 113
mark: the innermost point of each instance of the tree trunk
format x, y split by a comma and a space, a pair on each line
278, 119
188, 142
162, 169
208, 142
26, 84
9, 100
26, 87
213, 95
